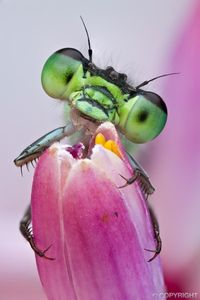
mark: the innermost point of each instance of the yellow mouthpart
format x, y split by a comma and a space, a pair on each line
109, 144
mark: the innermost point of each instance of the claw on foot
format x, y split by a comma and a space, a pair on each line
38, 251
156, 233
143, 181
127, 181
156, 252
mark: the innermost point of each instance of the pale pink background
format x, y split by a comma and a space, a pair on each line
136, 37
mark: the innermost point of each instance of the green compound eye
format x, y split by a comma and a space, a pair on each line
143, 117
59, 70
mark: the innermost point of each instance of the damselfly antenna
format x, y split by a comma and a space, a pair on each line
89, 45
147, 81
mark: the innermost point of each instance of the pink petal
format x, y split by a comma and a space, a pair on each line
102, 243
46, 213
97, 243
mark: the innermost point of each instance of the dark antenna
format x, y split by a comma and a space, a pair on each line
89, 45
147, 81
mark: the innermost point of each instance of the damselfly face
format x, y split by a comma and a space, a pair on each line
104, 95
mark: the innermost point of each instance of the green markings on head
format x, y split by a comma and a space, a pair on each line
96, 102
143, 117
59, 70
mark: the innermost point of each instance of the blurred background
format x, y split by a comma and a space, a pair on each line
143, 39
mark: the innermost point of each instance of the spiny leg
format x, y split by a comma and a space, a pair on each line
156, 231
148, 189
33, 151
26, 231
140, 175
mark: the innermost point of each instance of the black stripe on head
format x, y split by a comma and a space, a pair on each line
153, 98
94, 104
73, 53
104, 90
